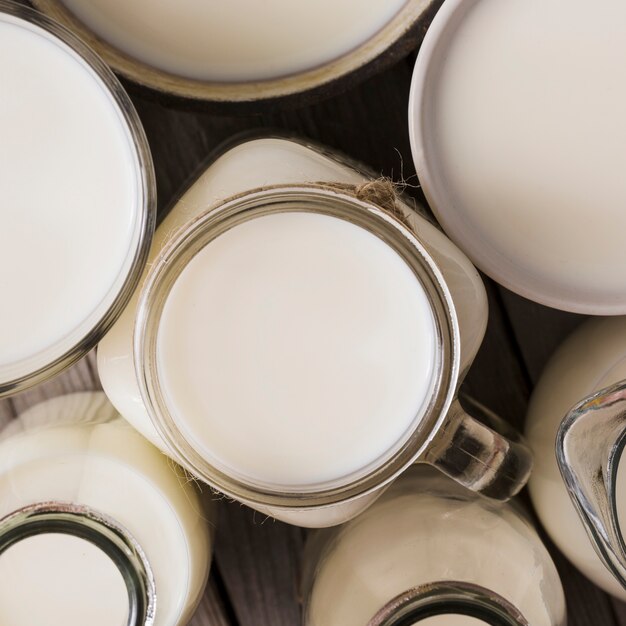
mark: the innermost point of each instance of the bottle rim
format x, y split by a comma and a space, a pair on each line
98, 529
448, 598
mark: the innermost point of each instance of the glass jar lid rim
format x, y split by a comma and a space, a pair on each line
255, 203
66, 350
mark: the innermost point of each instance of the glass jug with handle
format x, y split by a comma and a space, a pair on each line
264, 408
576, 427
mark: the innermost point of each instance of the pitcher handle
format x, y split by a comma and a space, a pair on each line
589, 446
479, 457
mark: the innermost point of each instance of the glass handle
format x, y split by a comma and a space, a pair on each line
478, 457
589, 445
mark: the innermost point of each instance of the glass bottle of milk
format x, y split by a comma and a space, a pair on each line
96, 526
428, 553
579, 404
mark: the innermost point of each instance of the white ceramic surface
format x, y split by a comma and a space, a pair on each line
517, 130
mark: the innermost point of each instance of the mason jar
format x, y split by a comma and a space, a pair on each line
431, 553
96, 525
77, 198
245, 51
576, 428
297, 345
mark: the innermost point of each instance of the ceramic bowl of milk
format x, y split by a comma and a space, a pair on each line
579, 493
517, 131
97, 526
245, 50
77, 198
429, 553
297, 346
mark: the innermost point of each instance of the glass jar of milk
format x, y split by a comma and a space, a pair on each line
77, 198
430, 553
579, 404
297, 347
96, 526
245, 50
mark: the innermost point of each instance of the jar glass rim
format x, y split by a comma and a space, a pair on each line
18, 376
291, 198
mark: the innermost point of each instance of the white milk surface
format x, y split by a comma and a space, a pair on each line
67, 192
235, 40
295, 349
60, 580
530, 139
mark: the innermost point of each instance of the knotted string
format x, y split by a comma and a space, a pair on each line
381, 192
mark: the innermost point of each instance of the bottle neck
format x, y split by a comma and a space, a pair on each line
104, 533
448, 598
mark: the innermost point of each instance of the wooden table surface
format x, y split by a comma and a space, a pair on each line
254, 575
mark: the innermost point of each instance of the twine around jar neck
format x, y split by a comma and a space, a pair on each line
381, 192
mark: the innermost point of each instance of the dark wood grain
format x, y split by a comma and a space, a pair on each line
538, 330
620, 612
212, 610
496, 378
260, 562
